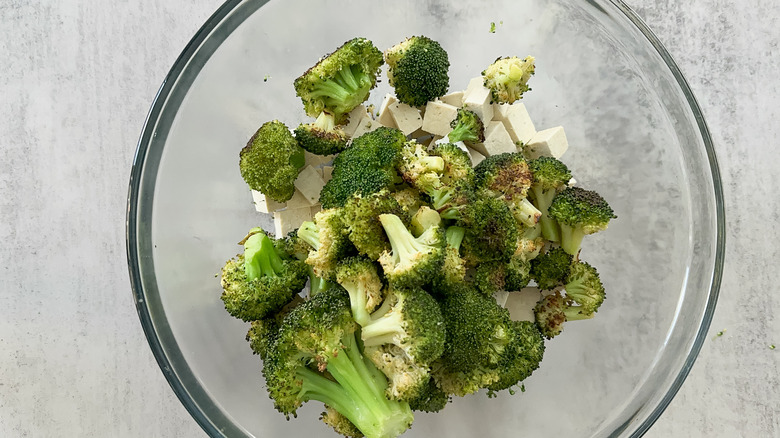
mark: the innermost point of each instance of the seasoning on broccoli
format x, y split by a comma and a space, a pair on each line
322, 137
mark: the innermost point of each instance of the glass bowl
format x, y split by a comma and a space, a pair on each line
636, 136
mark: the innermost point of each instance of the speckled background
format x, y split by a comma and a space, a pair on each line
76, 80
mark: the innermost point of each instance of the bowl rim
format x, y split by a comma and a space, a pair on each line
188, 399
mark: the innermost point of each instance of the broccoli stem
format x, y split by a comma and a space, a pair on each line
571, 238
325, 121
382, 330
317, 284
357, 300
260, 257
358, 393
543, 199
454, 236
346, 90
404, 245
461, 133
310, 234
525, 212
576, 313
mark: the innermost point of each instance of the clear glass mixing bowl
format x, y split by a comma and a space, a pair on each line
636, 136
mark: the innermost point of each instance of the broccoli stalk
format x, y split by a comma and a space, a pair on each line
413, 261
549, 176
579, 212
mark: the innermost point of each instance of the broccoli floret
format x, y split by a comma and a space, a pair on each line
341, 80
271, 160
316, 357
425, 218
584, 296
261, 334
491, 231
327, 236
457, 163
430, 398
521, 357
507, 177
340, 424
518, 273
361, 216
259, 282
413, 261
579, 212
453, 270
418, 69
549, 314
358, 276
416, 162
410, 199
322, 137
292, 247
466, 127
406, 379
366, 167
507, 78
550, 269
550, 176
490, 277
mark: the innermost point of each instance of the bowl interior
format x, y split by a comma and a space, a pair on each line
635, 136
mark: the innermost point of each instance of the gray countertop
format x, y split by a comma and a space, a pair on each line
76, 81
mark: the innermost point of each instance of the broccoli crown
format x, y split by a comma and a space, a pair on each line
579, 212
415, 162
522, 356
366, 167
549, 174
406, 379
413, 261
292, 247
316, 337
549, 314
517, 273
491, 230
457, 163
340, 424
411, 320
504, 175
507, 78
467, 126
430, 398
271, 160
327, 236
322, 137
418, 69
453, 270
490, 277
261, 334
358, 276
551, 269
341, 80
361, 216
259, 282
584, 286
409, 198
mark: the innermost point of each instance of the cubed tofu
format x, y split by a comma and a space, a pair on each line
407, 118
497, 140
316, 208
474, 83
518, 123
309, 183
298, 201
264, 204
385, 118
327, 173
499, 111
521, 303
315, 160
355, 116
438, 116
548, 143
366, 125
501, 296
478, 100
289, 219
476, 157
455, 98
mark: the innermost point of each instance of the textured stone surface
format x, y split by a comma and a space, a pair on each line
76, 81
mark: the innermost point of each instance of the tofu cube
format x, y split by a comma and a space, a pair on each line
521, 303
315, 160
497, 140
455, 98
316, 209
548, 143
327, 173
366, 125
476, 157
355, 116
309, 183
478, 100
474, 83
289, 219
518, 123
407, 118
385, 118
499, 111
438, 116
501, 296
298, 201
264, 204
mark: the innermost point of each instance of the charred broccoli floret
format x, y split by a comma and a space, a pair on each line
322, 137
550, 176
413, 261
579, 212
507, 177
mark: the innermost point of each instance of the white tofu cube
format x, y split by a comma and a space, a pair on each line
407, 118
476, 157
315, 209
385, 118
548, 143
438, 116
309, 183
455, 98
289, 219
366, 125
518, 123
315, 160
499, 111
521, 303
497, 140
355, 116
478, 100
264, 204
298, 201
501, 296
474, 83
327, 173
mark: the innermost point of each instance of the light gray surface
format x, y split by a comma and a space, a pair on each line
75, 85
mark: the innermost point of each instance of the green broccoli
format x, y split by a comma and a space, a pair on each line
293, 247
453, 270
579, 212
413, 261
271, 160
407, 380
316, 357
361, 217
341, 80
490, 277
550, 176
259, 282
457, 163
521, 357
322, 137
507, 78
261, 334
409, 198
418, 69
430, 398
466, 127
425, 218
328, 239
340, 424
358, 276
416, 162
366, 167
550, 269
491, 230
507, 177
